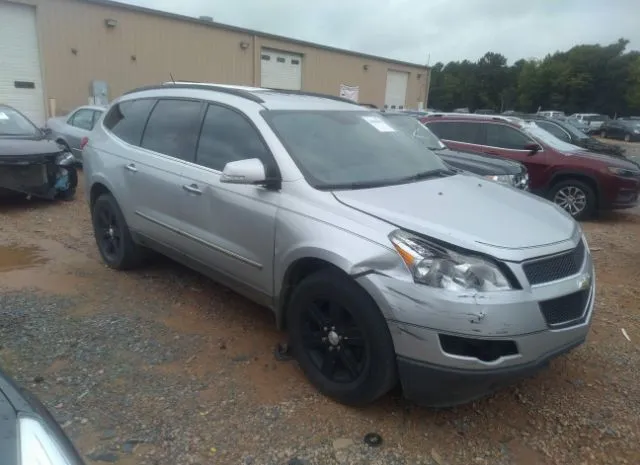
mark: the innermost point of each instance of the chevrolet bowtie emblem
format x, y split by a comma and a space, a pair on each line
584, 281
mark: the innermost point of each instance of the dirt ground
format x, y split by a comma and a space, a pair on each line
162, 366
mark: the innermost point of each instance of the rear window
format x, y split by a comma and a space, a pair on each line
127, 119
458, 131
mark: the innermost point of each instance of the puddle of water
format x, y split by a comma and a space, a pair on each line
17, 257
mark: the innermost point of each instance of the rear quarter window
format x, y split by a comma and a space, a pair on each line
127, 120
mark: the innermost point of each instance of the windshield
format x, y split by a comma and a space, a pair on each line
417, 130
13, 123
574, 131
547, 138
351, 149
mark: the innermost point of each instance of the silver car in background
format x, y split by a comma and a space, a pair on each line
382, 264
70, 130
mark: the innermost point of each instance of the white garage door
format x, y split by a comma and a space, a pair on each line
280, 70
20, 75
396, 92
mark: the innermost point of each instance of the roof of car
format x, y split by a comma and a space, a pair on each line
272, 99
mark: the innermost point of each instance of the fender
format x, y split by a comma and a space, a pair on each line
576, 174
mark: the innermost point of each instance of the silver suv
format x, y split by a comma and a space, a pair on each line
383, 265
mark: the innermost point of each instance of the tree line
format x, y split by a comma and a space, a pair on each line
584, 79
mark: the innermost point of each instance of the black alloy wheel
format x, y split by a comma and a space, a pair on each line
116, 246
108, 232
340, 338
334, 342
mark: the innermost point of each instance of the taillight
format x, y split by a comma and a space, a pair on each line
84, 141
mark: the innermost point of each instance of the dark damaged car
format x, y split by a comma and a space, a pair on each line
30, 163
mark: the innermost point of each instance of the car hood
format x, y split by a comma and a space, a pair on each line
11, 147
466, 211
480, 164
604, 158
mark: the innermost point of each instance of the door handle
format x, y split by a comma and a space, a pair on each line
131, 167
192, 188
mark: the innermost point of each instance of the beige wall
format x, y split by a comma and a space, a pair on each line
188, 50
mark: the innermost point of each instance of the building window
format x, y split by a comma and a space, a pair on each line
295, 62
280, 60
266, 57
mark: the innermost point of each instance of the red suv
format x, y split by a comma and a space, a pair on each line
579, 181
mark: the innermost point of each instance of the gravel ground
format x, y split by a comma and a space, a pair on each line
162, 366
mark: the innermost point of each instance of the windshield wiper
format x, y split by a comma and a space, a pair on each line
439, 173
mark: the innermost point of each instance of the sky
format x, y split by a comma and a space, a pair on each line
428, 31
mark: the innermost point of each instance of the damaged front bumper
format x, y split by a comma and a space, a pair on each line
46, 176
454, 348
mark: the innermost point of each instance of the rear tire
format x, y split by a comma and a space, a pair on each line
575, 197
115, 244
340, 339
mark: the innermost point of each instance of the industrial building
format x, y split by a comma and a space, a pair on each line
53, 52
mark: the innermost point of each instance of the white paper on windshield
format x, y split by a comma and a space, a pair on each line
378, 123
3, 116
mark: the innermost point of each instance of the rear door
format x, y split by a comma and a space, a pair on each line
230, 228
155, 174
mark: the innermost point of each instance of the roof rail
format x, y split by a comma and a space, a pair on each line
199, 86
310, 94
470, 115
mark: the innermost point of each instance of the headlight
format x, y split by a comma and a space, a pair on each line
501, 178
436, 266
624, 172
37, 446
519, 181
636, 131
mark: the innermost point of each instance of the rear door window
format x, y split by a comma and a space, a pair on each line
173, 128
505, 137
458, 131
126, 120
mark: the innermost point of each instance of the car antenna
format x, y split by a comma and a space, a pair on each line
171, 76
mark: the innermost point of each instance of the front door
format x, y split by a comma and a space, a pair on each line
231, 227
509, 142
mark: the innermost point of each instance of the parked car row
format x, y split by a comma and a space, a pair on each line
383, 262
580, 181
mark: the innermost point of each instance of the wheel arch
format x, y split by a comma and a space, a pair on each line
565, 175
310, 259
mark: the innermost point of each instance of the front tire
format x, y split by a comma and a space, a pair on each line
115, 244
575, 197
340, 339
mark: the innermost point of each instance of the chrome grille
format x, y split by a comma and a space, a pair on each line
565, 309
558, 266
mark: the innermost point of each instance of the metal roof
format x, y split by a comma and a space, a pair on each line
213, 24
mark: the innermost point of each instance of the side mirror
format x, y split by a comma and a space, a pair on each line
249, 171
46, 132
533, 148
